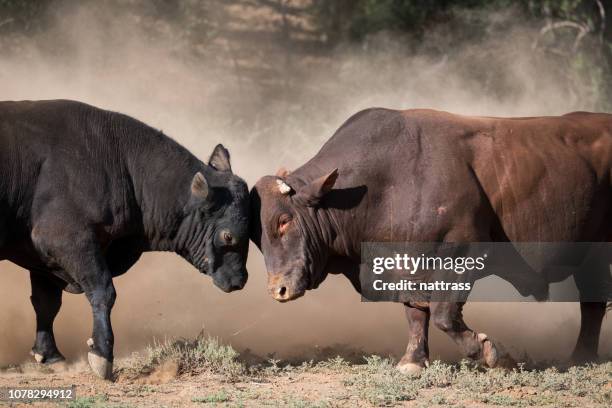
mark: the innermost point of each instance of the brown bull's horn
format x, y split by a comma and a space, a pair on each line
283, 187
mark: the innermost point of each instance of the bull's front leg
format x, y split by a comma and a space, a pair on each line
46, 299
76, 250
417, 352
101, 295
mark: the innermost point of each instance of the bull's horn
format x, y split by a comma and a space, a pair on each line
283, 187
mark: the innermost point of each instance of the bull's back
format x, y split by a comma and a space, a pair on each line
21, 153
546, 178
53, 150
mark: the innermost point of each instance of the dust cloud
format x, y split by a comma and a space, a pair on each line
259, 88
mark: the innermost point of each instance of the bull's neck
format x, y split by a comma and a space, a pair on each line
161, 172
341, 237
340, 227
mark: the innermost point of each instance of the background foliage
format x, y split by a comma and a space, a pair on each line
577, 34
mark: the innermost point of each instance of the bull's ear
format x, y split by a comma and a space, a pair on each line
220, 159
282, 172
312, 193
199, 186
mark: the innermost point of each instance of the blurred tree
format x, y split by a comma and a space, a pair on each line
575, 32
22, 15
356, 19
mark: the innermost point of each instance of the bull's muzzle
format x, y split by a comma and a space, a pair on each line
283, 291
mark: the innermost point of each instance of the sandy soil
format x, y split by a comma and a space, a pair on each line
330, 383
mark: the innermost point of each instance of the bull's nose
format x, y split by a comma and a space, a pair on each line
279, 293
235, 286
283, 294
230, 284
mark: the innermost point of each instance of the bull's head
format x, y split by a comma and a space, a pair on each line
293, 232
213, 234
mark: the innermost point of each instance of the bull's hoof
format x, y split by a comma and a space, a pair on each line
55, 359
410, 368
490, 355
581, 357
495, 355
52, 359
100, 366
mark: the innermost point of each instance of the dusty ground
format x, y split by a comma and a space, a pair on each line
204, 372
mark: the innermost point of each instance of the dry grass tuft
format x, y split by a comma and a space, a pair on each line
192, 357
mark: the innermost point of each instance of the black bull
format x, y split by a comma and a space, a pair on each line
428, 176
84, 192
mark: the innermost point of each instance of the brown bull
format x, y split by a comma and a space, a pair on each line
428, 176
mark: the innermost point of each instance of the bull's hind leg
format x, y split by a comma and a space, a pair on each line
594, 283
417, 352
448, 317
592, 314
46, 299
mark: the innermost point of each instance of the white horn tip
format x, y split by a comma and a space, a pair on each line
283, 187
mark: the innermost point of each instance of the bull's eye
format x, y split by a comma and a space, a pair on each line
283, 223
227, 237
